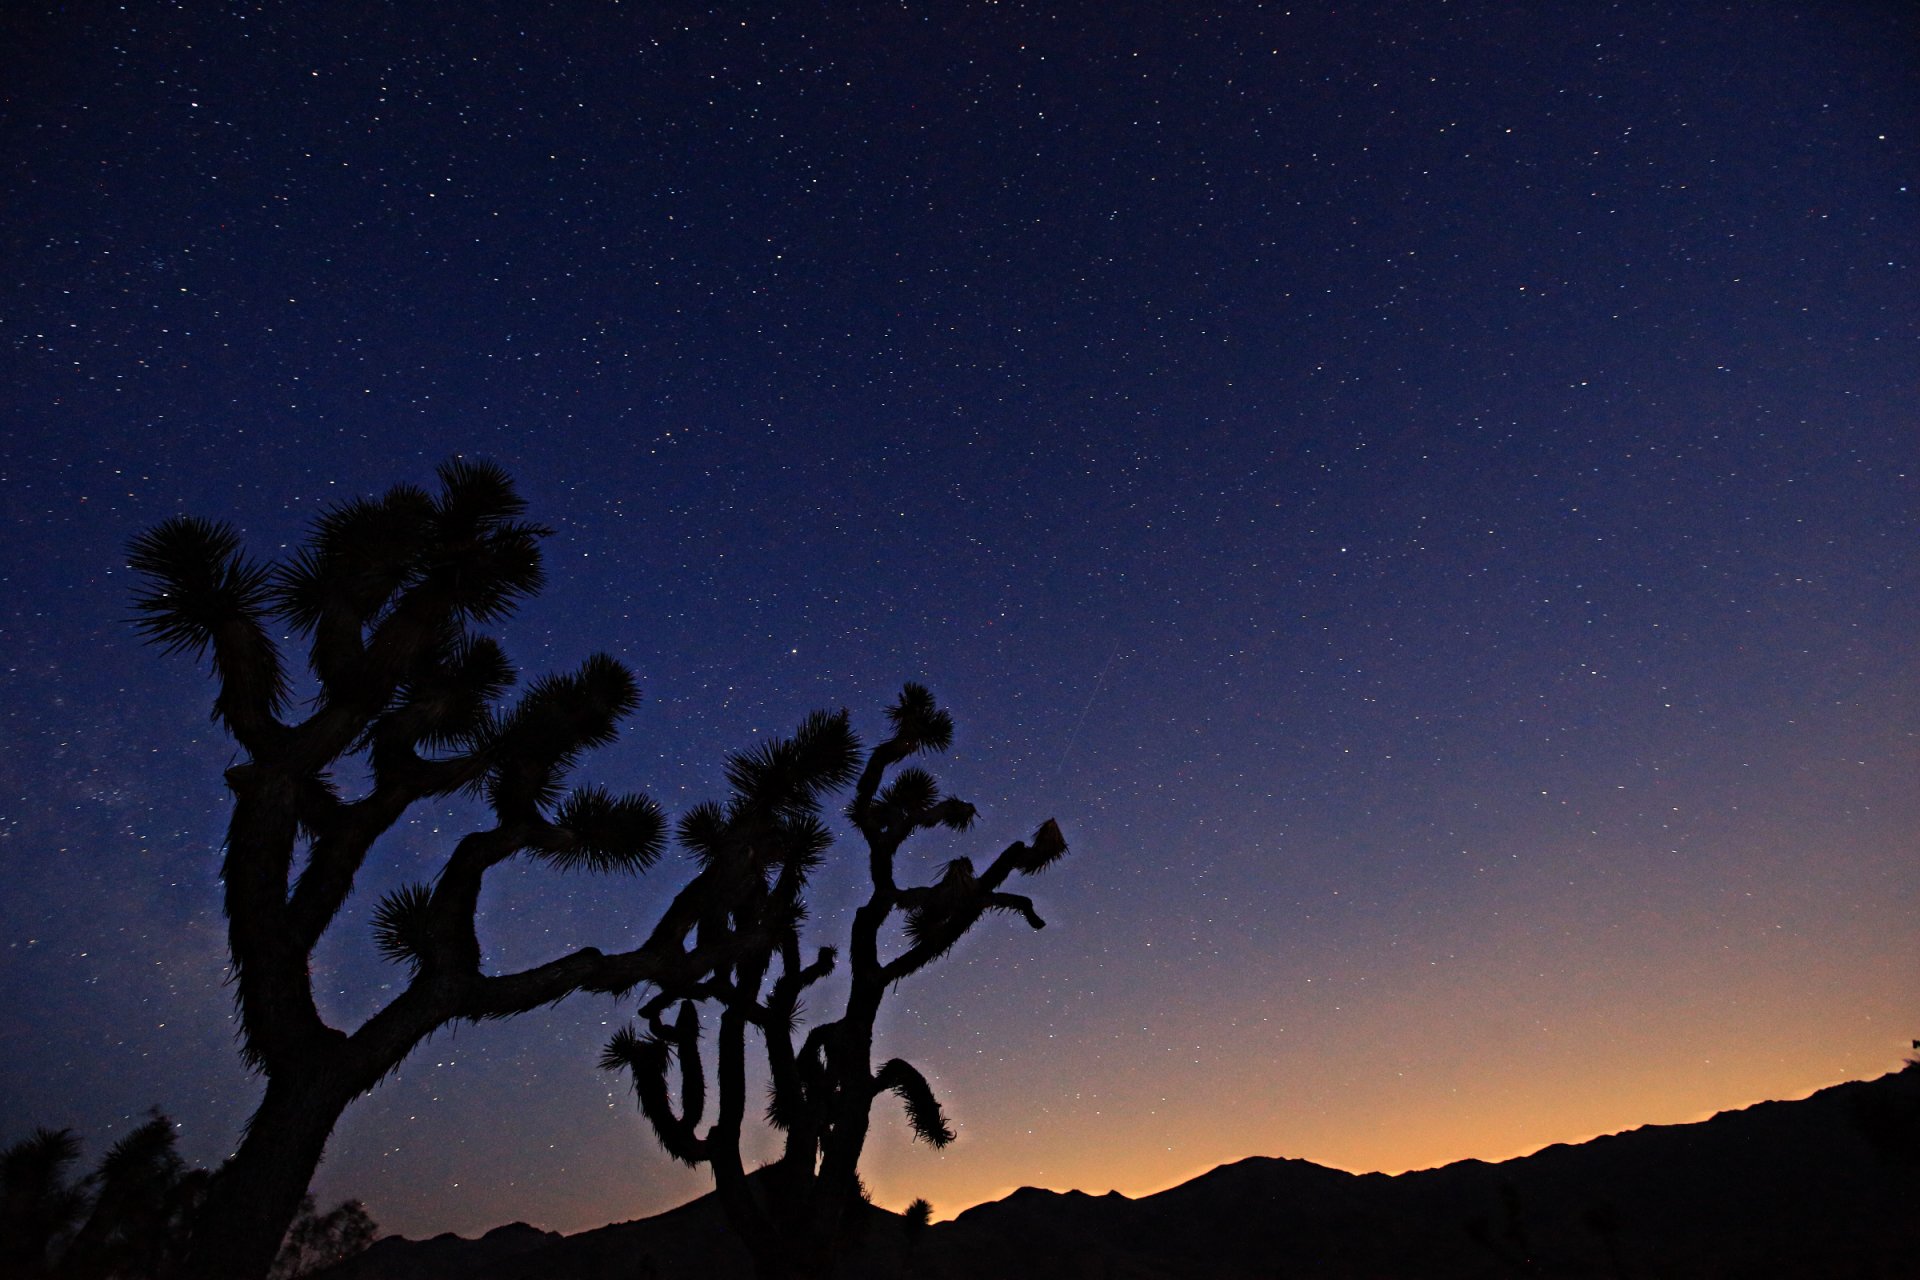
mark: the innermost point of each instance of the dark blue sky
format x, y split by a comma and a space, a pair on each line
1423, 492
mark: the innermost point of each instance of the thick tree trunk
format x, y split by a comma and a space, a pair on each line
850, 1062
776, 1253
254, 1196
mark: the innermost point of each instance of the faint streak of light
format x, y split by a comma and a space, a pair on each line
1073, 734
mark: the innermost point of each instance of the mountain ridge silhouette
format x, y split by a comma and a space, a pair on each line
1816, 1187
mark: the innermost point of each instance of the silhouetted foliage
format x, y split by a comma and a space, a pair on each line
131, 1218
317, 1241
143, 1198
917, 1218
385, 593
795, 1215
39, 1207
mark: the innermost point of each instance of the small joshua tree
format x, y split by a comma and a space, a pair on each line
128, 1218
318, 1240
386, 593
39, 1206
795, 1215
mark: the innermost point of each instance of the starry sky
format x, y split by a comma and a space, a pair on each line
1423, 492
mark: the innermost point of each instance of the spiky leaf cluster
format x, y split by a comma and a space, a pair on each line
770, 823
202, 592
447, 703
631, 1050
601, 832
358, 556
497, 564
928, 1121
703, 831
39, 1204
384, 589
918, 722
909, 792
200, 581
403, 925
932, 912
467, 549
559, 718
1047, 847
318, 1241
788, 776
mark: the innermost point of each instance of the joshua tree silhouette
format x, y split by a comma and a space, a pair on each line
794, 1215
386, 593
39, 1206
130, 1218
126, 1219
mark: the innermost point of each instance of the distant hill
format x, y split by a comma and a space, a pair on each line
1827, 1186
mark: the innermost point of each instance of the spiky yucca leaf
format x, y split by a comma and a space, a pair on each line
601, 832
447, 704
520, 785
923, 1109
957, 879
762, 773
913, 798
558, 718
198, 579
40, 1205
475, 492
704, 831
802, 842
401, 925
33, 1177
784, 1105
790, 774
918, 722
204, 592
561, 715
1046, 848
143, 1160
488, 583
630, 1050
358, 555
495, 560
826, 750
909, 792
39, 1156
954, 814
923, 923
933, 912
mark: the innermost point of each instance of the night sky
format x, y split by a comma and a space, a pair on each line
1424, 494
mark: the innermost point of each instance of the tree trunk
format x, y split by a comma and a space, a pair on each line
850, 1063
255, 1195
